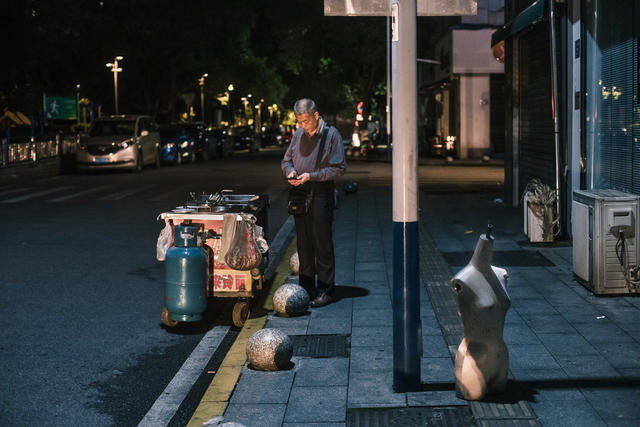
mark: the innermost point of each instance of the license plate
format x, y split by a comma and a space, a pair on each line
101, 160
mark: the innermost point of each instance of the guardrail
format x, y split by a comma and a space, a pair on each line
28, 150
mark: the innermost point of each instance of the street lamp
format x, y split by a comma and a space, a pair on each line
201, 82
115, 69
232, 119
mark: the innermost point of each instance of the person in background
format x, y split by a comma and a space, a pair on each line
314, 229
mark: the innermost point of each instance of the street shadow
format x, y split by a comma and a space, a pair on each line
289, 366
341, 292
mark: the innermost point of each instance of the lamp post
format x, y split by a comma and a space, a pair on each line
232, 120
201, 82
115, 69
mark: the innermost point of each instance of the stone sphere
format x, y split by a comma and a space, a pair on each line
350, 187
269, 349
290, 300
294, 263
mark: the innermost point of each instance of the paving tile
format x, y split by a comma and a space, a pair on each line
544, 393
254, 415
533, 361
519, 334
436, 370
367, 359
329, 326
533, 306
602, 331
314, 425
540, 375
372, 317
374, 392
614, 403
434, 346
372, 301
581, 367
435, 398
322, 372
567, 413
263, 387
372, 336
548, 323
567, 344
317, 404
621, 354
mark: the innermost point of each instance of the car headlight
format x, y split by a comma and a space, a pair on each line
184, 144
170, 145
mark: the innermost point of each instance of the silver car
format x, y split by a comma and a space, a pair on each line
120, 142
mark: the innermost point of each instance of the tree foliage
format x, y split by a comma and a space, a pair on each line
276, 50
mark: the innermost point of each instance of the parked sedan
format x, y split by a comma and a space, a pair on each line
245, 138
177, 144
119, 142
205, 147
273, 136
223, 141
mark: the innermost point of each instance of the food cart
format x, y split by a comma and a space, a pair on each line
208, 211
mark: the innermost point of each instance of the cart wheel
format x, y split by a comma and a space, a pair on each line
240, 313
166, 320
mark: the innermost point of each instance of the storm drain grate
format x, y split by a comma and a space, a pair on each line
502, 259
320, 345
403, 417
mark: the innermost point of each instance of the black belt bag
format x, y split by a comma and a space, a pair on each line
300, 200
301, 197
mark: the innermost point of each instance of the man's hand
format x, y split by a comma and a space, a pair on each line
295, 180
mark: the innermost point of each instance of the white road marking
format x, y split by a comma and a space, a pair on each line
123, 194
14, 190
32, 195
169, 401
171, 398
80, 193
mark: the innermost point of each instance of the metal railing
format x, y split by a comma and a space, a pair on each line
22, 150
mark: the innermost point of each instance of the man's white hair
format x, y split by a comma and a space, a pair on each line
304, 106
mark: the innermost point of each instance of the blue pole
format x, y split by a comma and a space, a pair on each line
406, 284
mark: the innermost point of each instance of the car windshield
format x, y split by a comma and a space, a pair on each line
111, 128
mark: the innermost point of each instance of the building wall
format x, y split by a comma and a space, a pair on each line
474, 139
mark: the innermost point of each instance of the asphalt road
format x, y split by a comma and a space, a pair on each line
81, 291
81, 341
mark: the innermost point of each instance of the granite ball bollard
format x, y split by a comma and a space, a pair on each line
294, 264
290, 300
269, 349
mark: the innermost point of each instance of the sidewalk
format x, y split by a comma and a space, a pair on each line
574, 357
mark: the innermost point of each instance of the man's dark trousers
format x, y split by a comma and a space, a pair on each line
315, 241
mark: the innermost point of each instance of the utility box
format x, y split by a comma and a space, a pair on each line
605, 231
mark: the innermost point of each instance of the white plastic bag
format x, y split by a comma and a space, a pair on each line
164, 241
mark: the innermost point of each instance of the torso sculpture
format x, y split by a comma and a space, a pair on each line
482, 360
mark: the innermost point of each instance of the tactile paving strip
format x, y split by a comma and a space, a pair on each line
435, 275
416, 416
320, 345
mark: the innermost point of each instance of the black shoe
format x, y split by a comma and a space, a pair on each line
322, 300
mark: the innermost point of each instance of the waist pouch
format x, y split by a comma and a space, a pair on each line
299, 200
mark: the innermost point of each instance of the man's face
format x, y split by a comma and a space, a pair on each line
308, 122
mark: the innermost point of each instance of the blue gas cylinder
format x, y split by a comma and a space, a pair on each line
185, 292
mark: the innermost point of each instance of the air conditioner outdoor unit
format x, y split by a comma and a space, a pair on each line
605, 231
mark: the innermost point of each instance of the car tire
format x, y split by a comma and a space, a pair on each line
156, 164
178, 158
205, 154
192, 157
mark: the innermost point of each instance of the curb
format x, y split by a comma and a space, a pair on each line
216, 399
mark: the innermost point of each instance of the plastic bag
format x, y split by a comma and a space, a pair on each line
244, 253
229, 224
258, 235
165, 239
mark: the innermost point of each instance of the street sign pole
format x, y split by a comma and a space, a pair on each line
406, 284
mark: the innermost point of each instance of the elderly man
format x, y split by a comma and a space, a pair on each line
313, 228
